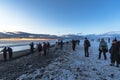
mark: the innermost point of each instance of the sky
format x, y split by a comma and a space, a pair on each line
60, 17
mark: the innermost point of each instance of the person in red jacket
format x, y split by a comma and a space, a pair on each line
115, 53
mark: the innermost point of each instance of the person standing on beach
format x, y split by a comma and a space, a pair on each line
78, 41
73, 45
39, 47
108, 40
103, 47
86, 47
56, 45
115, 53
4, 53
48, 46
44, 48
10, 51
32, 47
61, 45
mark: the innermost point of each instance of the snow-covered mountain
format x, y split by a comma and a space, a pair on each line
113, 32
111, 35
73, 36
19, 34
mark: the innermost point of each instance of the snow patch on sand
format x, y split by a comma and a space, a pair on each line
74, 66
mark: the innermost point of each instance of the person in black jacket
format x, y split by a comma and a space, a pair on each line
61, 45
86, 47
32, 47
48, 46
73, 44
39, 48
114, 51
44, 48
4, 53
118, 54
10, 51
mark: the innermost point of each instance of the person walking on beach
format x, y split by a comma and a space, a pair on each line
4, 53
78, 41
86, 47
44, 48
115, 53
108, 40
10, 51
48, 46
56, 45
32, 47
61, 45
39, 47
73, 44
103, 47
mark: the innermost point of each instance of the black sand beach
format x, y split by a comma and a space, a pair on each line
12, 69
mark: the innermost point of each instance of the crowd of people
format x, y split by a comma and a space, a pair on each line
103, 49
43, 49
114, 51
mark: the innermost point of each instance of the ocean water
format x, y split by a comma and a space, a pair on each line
18, 45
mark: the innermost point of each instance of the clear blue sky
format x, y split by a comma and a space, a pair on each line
60, 16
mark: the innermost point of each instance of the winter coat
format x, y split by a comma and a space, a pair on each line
87, 43
39, 47
103, 46
56, 45
114, 51
44, 46
10, 50
73, 42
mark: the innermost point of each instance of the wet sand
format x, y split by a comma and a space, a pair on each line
16, 54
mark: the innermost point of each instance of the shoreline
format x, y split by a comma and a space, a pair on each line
12, 69
18, 54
